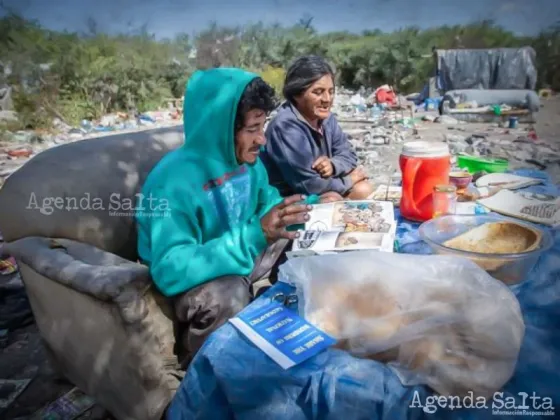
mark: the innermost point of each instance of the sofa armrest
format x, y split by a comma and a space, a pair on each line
120, 352
80, 266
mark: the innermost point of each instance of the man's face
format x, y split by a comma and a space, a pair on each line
315, 103
250, 138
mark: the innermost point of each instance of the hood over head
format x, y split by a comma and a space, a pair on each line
209, 110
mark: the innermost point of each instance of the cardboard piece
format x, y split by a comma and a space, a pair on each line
532, 207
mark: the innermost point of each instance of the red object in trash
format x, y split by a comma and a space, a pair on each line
384, 95
423, 165
532, 135
19, 153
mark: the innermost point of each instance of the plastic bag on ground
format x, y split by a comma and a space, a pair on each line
439, 321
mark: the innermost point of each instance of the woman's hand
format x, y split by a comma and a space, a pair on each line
323, 166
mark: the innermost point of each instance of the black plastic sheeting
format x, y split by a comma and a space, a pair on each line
501, 68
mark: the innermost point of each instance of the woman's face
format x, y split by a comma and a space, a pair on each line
315, 103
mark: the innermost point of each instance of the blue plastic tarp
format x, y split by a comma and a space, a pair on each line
231, 378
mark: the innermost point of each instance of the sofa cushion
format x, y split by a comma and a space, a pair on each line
85, 190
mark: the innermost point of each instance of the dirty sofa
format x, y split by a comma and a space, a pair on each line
66, 219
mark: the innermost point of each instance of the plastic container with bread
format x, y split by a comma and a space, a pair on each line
436, 320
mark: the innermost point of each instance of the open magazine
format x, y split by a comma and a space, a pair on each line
347, 226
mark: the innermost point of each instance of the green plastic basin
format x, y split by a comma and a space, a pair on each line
475, 164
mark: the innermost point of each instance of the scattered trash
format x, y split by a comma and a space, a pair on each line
10, 390
431, 104
372, 118
538, 164
357, 100
8, 266
68, 407
532, 135
446, 119
19, 153
146, 120
385, 95
30, 142
108, 120
28, 137
9, 116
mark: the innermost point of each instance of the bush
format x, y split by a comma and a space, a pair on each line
274, 76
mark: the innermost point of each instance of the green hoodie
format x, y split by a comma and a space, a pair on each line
206, 222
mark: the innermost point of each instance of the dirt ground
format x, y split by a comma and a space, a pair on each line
548, 123
23, 356
548, 129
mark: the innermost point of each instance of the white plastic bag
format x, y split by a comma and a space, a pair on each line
438, 320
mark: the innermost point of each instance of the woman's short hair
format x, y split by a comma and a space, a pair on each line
303, 73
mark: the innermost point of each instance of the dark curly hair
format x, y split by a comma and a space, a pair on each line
257, 95
303, 72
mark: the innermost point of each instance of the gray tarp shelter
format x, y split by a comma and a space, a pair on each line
499, 68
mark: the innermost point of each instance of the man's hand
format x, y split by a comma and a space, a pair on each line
358, 175
323, 166
288, 212
330, 197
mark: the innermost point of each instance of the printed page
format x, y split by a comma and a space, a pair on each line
347, 226
321, 217
316, 242
532, 207
353, 216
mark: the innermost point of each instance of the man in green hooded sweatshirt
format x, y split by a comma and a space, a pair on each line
224, 227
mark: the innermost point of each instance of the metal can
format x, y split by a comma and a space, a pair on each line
445, 200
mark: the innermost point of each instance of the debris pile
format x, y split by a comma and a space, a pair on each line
377, 122
520, 148
375, 130
17, 146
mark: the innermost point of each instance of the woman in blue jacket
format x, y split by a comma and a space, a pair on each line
306, 150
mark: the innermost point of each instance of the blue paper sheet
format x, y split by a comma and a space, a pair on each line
231, 378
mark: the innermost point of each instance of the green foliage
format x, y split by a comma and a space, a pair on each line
31, 113
76, 76
274, 76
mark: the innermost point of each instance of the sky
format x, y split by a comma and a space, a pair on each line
165, 18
